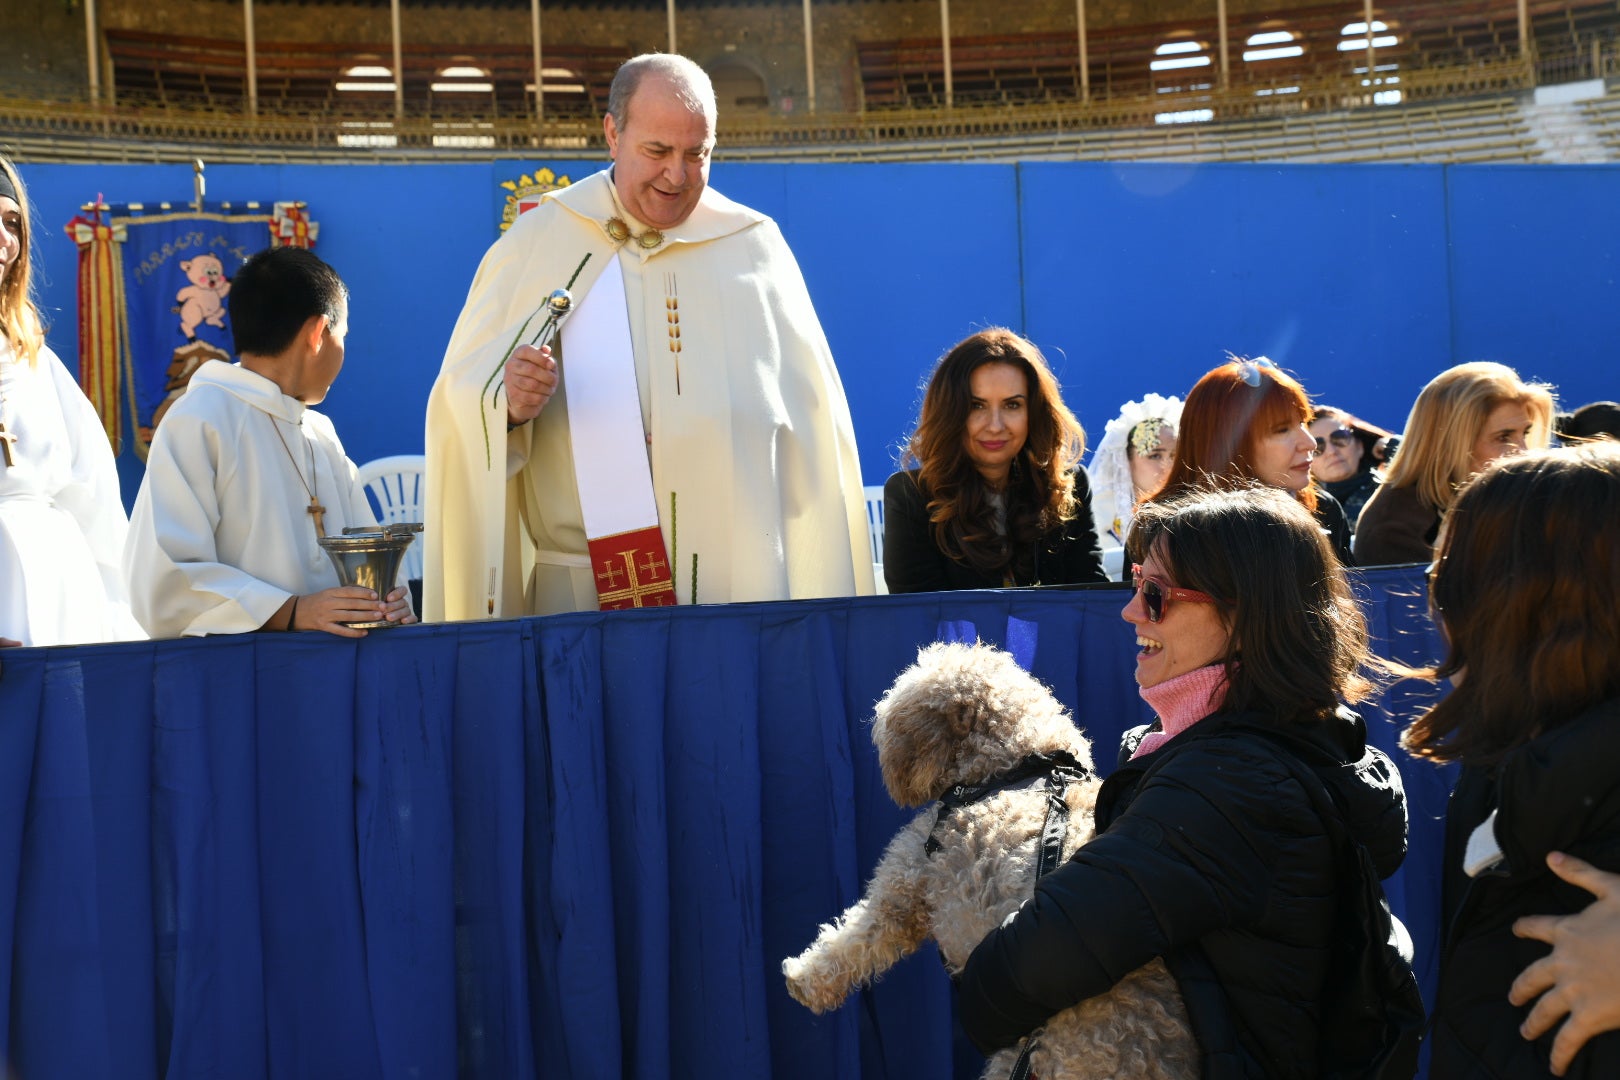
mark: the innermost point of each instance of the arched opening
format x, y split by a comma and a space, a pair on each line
1181, 69
1382, 79
738, 87
1275, 56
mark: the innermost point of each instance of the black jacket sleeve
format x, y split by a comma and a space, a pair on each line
912, 562
1330, 515
1181, 861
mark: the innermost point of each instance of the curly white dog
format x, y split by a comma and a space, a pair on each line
998, 763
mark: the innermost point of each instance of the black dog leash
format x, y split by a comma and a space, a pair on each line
1061, 770
1053, 833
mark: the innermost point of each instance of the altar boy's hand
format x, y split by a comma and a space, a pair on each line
531, 379
399, 607
329, 609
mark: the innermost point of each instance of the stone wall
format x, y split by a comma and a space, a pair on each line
45, 48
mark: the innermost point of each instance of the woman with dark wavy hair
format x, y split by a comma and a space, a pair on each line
1212, 849
1246, 421
995, 496
1526, 585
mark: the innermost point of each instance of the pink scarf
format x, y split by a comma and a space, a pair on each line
1181, 702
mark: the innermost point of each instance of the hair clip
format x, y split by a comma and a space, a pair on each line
1250, 369
1144, 436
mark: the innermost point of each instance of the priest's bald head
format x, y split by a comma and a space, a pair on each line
660, 134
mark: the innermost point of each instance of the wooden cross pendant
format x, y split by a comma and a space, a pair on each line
316, 511
7, 439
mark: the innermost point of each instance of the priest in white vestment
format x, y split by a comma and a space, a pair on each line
689, 442
243, 477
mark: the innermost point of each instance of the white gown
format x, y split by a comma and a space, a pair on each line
62, 522
221, 535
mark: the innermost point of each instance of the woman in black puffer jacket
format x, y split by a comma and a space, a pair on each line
1525, 584
1209, 851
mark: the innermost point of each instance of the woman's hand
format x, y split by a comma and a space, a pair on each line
8, 643
1580, 978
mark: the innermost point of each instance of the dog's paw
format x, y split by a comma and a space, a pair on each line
808, 990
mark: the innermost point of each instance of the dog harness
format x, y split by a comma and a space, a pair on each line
1060, 769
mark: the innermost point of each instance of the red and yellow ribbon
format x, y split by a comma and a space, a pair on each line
102, 342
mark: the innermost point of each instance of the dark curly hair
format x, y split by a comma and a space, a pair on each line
1040, 487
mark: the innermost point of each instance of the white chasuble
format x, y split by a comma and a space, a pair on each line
748, 435
62, 523
221, 535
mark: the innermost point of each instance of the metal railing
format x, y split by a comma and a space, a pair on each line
168, 132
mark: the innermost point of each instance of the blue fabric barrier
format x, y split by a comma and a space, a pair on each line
577, 846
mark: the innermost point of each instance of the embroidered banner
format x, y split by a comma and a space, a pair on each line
154, 284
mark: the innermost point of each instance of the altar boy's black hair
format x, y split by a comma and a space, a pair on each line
276, 292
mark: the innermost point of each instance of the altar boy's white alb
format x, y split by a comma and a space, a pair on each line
243, 477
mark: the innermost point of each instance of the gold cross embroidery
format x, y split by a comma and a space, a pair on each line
610, 572
636, 591
7, 441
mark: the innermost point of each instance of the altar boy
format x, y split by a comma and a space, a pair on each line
243, 476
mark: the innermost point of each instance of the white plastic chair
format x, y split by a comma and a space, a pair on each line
396, 490
874, 529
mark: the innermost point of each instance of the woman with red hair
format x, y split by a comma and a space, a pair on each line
1247, 420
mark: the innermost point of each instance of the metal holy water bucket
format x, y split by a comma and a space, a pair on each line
370, 558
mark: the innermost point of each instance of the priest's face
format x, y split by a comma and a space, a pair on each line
660, 155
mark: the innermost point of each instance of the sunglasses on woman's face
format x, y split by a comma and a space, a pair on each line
1340, 439
1156, 595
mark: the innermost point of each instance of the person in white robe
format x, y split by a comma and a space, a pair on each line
243, 477
62, 522
724, 429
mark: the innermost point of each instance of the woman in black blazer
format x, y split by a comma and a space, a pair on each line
994, 497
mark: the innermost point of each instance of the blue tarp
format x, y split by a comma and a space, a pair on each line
577, 846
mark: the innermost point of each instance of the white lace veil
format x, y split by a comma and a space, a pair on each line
1113, 499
